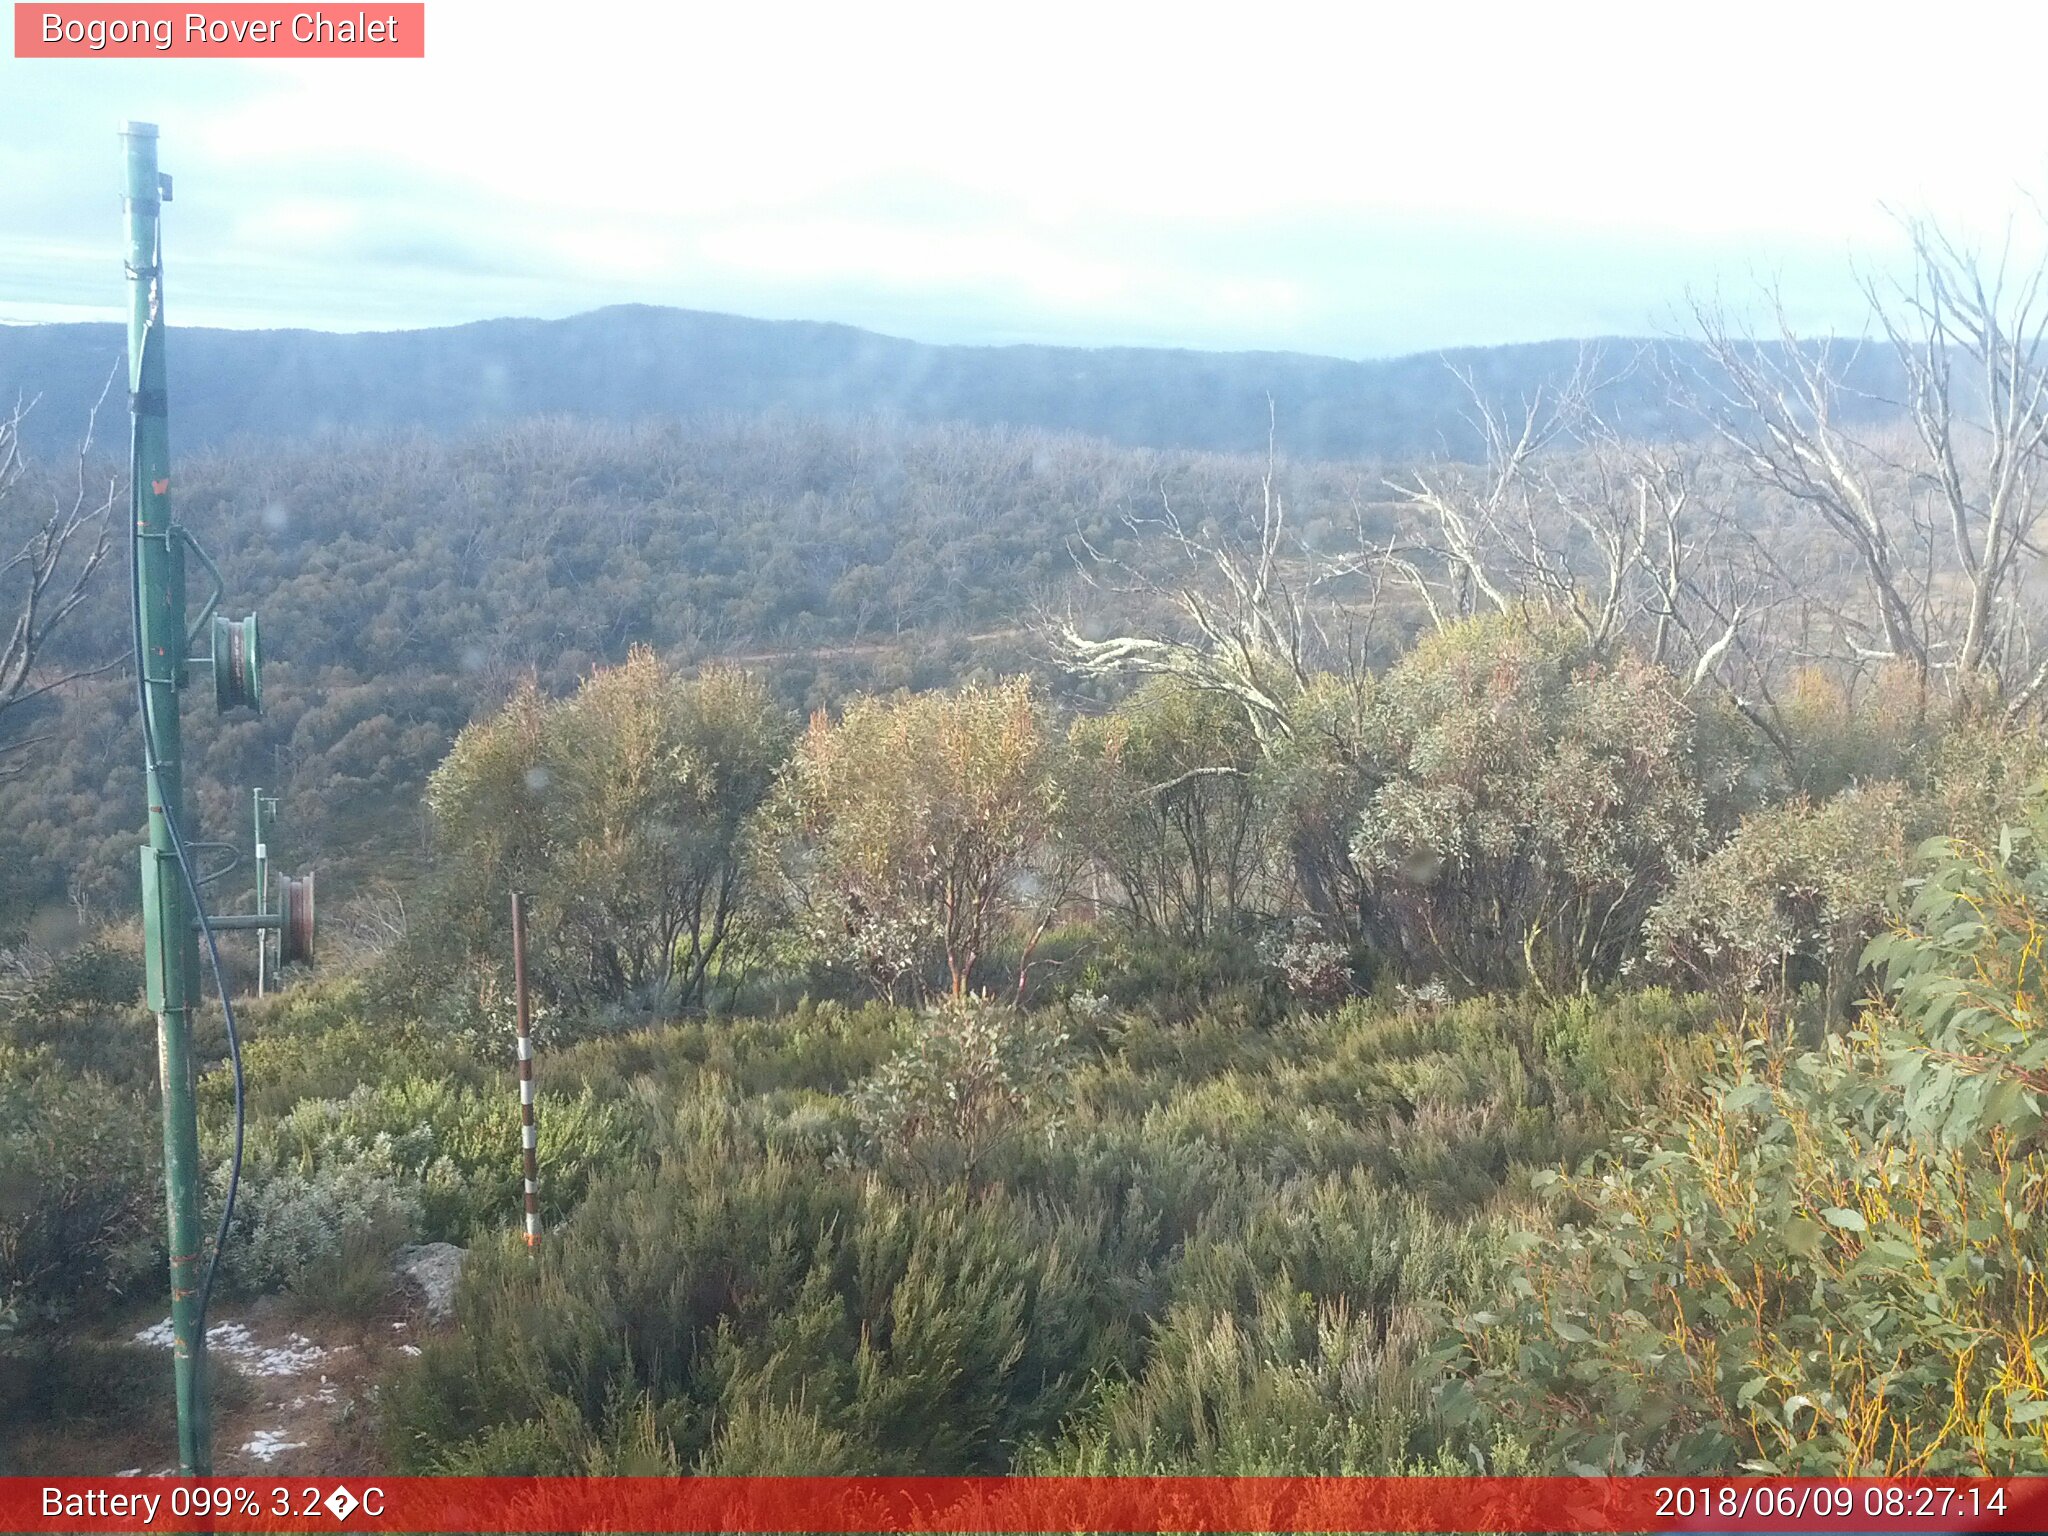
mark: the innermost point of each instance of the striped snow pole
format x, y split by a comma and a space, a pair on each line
528, 1137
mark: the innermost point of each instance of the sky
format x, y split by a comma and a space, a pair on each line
1358, 179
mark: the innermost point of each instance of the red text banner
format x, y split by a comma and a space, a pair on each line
1024, 1504
224, 31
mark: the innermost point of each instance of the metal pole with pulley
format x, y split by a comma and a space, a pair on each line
172, 918
169, 949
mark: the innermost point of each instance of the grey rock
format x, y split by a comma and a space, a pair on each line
434, 1268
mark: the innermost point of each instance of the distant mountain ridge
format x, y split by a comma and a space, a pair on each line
637, 361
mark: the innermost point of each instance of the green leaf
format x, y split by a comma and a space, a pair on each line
1802, 1237
1748, 1096
1848, 1220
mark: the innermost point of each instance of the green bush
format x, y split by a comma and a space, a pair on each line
80, 1390
1789, 901
824, 1046
1823, 1262
79, 1192
1291, 1340
930, 1334
86, 1012
449, 1152
312, 1234
971, 1077
1175, 982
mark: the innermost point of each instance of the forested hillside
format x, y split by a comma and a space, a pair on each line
622, 365
406, 582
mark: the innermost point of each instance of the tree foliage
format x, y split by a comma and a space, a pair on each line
1531, 803
1163, 793
909, 828
1824, 1261
1789, 900
621, 812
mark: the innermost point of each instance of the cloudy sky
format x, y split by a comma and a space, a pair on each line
1350, 178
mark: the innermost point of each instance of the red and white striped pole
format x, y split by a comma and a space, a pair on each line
528, 1136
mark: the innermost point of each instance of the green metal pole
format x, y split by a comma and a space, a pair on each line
170, 950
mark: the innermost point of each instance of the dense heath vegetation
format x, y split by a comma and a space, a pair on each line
1068, 959
925, 1090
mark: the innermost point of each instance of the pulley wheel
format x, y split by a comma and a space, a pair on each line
237, 664
295, 938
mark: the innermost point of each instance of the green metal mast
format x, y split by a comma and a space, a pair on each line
172, 921
171, 959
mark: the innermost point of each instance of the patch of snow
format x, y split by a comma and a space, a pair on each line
410, 1349
269, 1444
233, 1342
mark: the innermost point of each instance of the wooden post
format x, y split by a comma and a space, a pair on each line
528, 1139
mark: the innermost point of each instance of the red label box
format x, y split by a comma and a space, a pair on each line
1125, 1506
376, 30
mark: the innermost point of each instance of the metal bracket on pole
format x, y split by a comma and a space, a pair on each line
220, 587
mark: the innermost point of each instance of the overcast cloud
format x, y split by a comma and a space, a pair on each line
1343, 178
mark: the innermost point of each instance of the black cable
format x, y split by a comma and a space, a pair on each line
154, 766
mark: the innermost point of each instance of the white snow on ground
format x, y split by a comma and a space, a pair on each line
269, 1444
294, 1356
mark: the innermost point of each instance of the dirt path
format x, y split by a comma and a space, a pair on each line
291, 1397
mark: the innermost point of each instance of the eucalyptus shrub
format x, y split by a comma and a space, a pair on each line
1789, 901
1827, 1261
1531, 803
904, 837
1164, 794
622, 812
972, 1076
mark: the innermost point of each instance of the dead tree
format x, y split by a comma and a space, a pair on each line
45, 578
1243, 625
1566, 516
1940, 518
